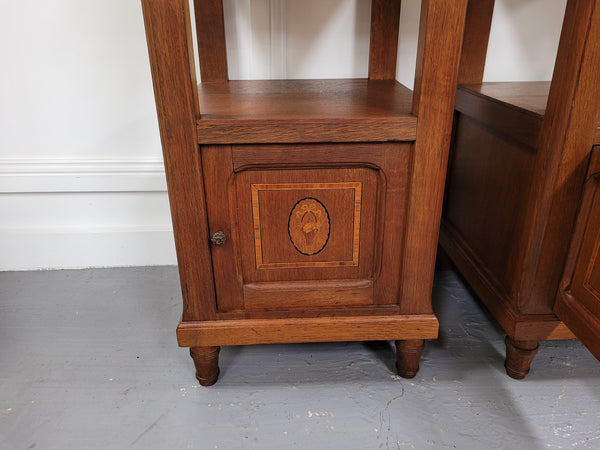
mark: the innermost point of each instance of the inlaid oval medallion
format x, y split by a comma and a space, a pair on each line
308, 226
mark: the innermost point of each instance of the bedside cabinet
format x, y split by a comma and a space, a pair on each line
516, 180
304, 210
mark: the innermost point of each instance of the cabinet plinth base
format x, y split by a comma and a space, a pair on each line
314, 329
205, 337
519, 355
206, 360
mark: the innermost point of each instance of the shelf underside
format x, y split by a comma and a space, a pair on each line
294, 111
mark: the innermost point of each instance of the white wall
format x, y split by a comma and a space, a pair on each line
81, 175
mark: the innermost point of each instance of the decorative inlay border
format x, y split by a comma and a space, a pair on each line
256, 188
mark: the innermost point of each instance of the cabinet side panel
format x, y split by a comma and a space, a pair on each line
488, 187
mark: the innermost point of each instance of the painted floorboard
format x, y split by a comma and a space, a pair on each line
89, 359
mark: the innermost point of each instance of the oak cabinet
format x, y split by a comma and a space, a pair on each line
304, 210
519, 172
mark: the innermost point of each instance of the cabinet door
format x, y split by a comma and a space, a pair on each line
578, 300
307, 226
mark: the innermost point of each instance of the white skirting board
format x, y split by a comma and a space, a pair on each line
38, 175
76, 213
61, 249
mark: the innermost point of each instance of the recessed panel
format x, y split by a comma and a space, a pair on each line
306, 224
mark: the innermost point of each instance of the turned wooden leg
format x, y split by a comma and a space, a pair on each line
206, 360
408, 354
519, 355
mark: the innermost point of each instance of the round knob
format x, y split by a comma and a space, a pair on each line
218, 238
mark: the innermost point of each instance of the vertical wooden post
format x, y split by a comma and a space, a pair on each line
210, 31
471, 66
168, 32
440, 39
475, 43
383, 46
564, 147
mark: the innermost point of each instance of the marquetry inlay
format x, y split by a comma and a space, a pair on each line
308, 226
315, 213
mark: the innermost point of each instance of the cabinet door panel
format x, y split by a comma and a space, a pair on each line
578, 301
314, 293
308, 226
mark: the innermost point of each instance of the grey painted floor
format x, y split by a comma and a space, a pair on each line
89, 359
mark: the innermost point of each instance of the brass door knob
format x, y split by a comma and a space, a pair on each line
218, 239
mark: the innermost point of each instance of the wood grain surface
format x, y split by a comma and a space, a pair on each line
312, 294
168, 33
265, 200
433, 104
380, 169
340, 218
322, 329
566, 139
324, 242
526, 147
221, 204
502, 169
578, 299
475, 41
494, 296
514, 110
383, 45
297, 111
210, 33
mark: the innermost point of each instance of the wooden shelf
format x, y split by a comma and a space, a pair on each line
521, 103
292, 111
528, 96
